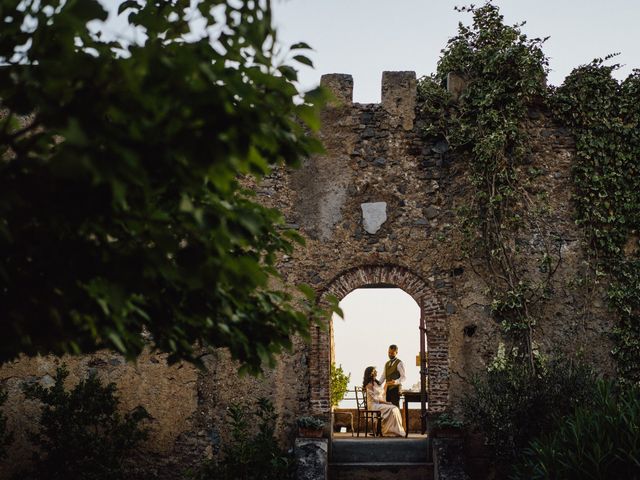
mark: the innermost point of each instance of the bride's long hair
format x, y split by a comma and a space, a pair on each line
366, 380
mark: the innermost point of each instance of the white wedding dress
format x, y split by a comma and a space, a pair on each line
391, 418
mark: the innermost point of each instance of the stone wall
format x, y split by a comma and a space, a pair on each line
383, 197
168, 393
379, 207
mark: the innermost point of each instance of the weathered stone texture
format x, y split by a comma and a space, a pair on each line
374, 153
399, 97
448, 459
167, 392
312, 458
455, 85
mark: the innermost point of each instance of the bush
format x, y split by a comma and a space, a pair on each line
250, 456
312, 423
81, 433
447, 420
512, 405
339, 384
5, 436
600, 441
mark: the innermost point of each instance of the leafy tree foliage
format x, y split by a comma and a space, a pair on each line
339, 384
250, 454
598, 442
604, 116
81, 433
510, 406
122, 205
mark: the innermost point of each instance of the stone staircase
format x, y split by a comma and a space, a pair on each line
380, 458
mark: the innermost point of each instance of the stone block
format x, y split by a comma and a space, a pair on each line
448, 459
399, 92
312, 458
341, 87
373, 216
455, 85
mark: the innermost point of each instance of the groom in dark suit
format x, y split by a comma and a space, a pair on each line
394, 376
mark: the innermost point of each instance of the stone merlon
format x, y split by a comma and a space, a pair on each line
398, 93
341, 87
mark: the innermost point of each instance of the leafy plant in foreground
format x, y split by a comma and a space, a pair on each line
81, 433
128, 157
600, 441
512, 405
250, 455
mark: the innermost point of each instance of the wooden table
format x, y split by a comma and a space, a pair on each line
415, 397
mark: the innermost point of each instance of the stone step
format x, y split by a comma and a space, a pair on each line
379, 450
381, 471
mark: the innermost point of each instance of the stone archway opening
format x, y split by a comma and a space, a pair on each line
374, 318
432, 318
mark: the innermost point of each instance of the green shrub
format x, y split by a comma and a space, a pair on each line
250, 456
313, 423
81, 434
5, 436
339, 384
447, 420
600, 441
511, 405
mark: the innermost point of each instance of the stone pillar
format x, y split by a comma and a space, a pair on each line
399, 92
448, 459
341, 87
312, 458
455, 85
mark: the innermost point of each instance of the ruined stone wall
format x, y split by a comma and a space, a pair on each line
383, 196
378, 207
188, 406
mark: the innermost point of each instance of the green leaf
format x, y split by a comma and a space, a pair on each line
126, 5
303, 60
300, 46
117, 341
309, 115
307, 291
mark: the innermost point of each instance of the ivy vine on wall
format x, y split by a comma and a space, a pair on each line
504, 74
604, 116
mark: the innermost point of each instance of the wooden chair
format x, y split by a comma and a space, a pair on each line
366, 415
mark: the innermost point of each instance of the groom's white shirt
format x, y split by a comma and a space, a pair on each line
402, 378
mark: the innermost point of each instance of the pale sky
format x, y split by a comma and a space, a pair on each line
374, 318
366, 37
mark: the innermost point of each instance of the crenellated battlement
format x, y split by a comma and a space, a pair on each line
398, 94
341, 87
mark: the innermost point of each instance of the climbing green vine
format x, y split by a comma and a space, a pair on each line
604, 116
504, 74
485, 122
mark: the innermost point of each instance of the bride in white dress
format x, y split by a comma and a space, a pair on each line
391, 418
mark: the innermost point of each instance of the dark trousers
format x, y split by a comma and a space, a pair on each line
393, 395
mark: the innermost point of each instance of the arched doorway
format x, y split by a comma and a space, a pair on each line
432, 319
374, 318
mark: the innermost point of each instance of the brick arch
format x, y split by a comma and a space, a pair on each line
431, 310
